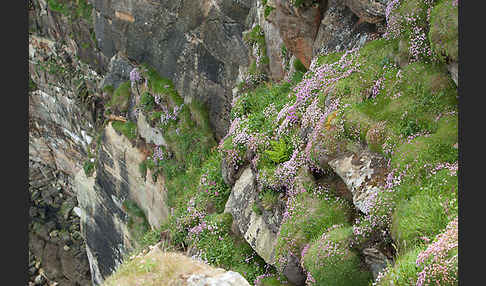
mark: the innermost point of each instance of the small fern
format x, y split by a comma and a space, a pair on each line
280, 152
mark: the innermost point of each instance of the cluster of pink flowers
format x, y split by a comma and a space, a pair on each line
377, 87
328, 248
207, 185
168, 116
318, 130
419, 46
437, 262
455, 3
452, 167
377, 221
392, 20
159, 154
135, 75
287, 171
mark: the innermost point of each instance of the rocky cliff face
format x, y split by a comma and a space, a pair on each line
196, 44
118, 100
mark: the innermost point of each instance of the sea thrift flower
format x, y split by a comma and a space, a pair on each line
437, 262
135, 75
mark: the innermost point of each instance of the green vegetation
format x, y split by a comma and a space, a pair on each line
392, 96
280, 152
444, 30
109, 89
72, 9
311, 216
147, 101
89, 168
268, 10
269, 199
120, 100
128, 129
257, 36
191, 169
137, 223
404, 271
32, 85
330, 260
299, 66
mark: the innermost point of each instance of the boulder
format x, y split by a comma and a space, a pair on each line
364, 174
375, 260
254, 227
229, 278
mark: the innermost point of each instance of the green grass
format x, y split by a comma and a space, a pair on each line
268, 10
109, 89
121, 98
312, 216
404, 271
128, 129
299, 66
147, 101
138, 225
330, 260
89, 168
444, 32
72, 9
423, 215
268, 198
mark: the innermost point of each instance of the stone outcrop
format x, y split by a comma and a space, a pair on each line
364, 173
375, 260
370, 11
196, 44
101, 200
176, 269
229, 278
55, 242
453, 69
338, 30
259, 230
298, 27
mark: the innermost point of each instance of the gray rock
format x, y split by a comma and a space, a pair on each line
100, 199
39, 280
229, 278
119, 70
337, 31
293, 271
198, 45
375, 260
255, 228
453, 69
148, 133
364, 174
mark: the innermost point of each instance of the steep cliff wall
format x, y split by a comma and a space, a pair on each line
329, 116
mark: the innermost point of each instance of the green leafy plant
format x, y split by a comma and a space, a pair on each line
280, 152
268, 198
147, 101
89, 168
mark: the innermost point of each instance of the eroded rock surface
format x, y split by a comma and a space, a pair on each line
55, 241
363, 173
196, 44
338, 30
257, 229
101, 200
298, 27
